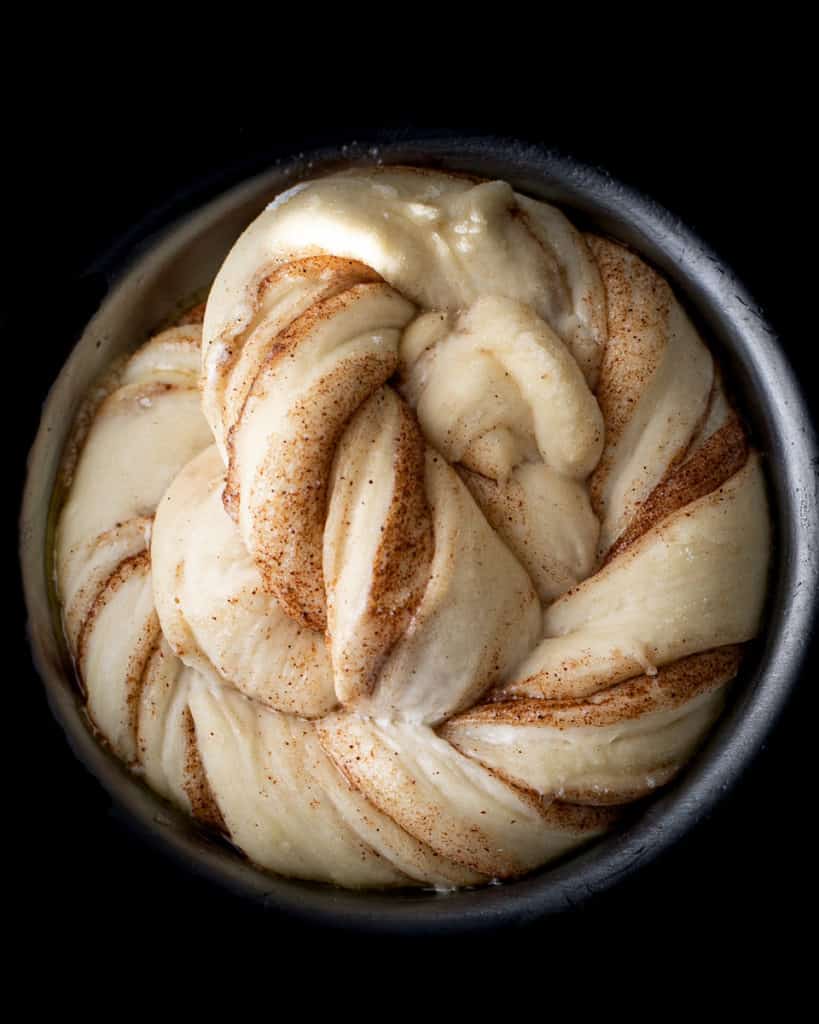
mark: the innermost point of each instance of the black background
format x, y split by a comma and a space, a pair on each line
731, 160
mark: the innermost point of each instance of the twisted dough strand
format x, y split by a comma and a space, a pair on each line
143, 431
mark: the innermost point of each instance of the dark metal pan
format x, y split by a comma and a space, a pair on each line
150, 279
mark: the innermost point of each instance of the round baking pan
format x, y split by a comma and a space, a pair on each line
157, 270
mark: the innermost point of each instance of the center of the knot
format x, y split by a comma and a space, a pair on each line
499, 394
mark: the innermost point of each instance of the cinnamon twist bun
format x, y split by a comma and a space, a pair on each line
458, 560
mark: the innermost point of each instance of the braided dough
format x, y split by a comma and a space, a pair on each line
433, 546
